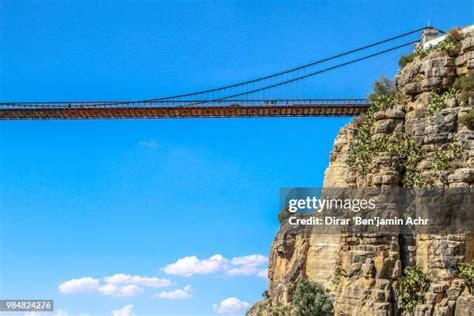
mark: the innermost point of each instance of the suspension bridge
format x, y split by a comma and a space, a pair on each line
230, 101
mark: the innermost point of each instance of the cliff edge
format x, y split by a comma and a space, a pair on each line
418, 134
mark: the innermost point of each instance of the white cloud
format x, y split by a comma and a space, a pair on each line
121, 278
231, 305
124, 311
189, 266
263, 273
250, 260
243, 270
77, 286
179, 294
119, 285
245, 265
120, 291
148, 143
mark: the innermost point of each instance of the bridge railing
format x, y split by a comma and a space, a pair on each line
182, 103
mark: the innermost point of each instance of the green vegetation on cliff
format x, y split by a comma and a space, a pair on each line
439, 101
443, 157
338, 274
412, 287
308, 299
468, 119
406, 59
451, 44
311, 299
466, 272
465, 85
365, 148
397, 144
283, 215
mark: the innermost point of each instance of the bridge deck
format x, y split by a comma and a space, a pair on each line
181, 109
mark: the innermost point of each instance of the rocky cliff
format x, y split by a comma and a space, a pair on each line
418, 136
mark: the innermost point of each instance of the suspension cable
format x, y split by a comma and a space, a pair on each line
296, 68
308, 75
286, 72
243, 83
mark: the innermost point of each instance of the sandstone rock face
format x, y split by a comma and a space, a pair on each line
287, 263
465, 306
322, 256
374, 263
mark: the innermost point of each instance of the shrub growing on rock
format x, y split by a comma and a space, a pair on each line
468, 119
419, 52
338, 274
465, 85
455, 34
466, 272
442, 158
383, 87
423, 52
406, 59
283, 215
412, 287
439, 101
451, 44
364, 148
311, 299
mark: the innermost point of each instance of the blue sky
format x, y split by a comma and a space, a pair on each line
98, 198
